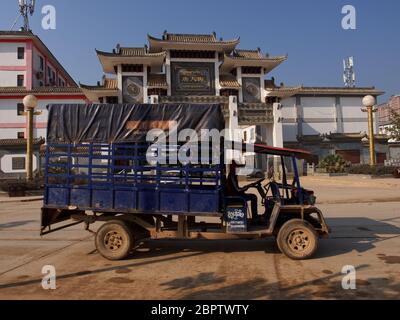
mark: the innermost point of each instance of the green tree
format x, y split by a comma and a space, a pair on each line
394, 129
333, 163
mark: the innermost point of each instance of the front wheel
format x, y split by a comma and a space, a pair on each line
114, 240
297, 239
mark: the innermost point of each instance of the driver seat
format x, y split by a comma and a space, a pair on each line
276, 196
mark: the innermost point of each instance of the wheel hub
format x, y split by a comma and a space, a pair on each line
298, 240
113, 240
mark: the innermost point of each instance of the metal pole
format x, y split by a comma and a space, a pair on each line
29, 144
372, 161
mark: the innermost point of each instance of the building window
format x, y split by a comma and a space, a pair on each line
21, 53
21, 135
252, 70
245, 136
20, 109
18, 163
20, 80
132, 68
112, 100
192, 54
51, 75
41, 63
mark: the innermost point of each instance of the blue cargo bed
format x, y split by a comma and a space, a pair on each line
117, 178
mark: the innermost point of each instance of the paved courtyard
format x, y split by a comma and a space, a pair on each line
364, 215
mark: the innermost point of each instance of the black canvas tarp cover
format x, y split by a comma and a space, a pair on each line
123, 123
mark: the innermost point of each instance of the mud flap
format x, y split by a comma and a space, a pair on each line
50, 217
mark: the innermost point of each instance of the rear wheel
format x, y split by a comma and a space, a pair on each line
114, 240
297, 239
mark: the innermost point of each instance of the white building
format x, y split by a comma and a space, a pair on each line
202, 68
385, 120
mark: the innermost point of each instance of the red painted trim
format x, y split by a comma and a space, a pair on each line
266, 147
15, 40
47, 97
37, 125
45, 69
41, 125
12, 125
12, 68
29, 65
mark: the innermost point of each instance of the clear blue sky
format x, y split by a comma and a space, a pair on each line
308, 30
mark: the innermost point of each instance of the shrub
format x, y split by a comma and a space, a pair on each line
333, 163
377, 170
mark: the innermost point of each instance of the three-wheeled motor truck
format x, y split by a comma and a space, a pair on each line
97, 169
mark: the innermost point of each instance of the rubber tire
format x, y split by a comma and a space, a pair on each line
287, 229
127, 236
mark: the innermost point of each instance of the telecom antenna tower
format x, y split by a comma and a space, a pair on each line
26, 9
349, 76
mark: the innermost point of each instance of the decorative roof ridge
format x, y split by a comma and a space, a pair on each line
274, 58
233, 41
115, 54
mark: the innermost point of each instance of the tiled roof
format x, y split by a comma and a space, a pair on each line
20, 142
192, 38
130, 52
248, 54
253, 55
281, 92
108, 84
341, 90
133, 51
228, 81
41, 90
157, 80
250, 58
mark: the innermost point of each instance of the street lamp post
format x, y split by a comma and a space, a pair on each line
30, 102
369, 102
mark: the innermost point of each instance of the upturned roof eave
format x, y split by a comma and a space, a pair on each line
109, 61
267, 63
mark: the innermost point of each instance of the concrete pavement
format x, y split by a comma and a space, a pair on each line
366, 234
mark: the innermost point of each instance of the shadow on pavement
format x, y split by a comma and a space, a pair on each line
326, 287
359, 234
362, 235
15, 224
